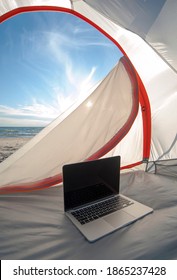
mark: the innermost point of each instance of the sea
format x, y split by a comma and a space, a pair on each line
19, 132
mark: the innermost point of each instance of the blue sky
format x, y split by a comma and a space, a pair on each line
47, 60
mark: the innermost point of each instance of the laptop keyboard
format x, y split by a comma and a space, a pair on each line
100, 209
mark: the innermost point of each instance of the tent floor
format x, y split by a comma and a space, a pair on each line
33, 225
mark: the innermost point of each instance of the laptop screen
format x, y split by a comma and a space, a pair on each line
90, 181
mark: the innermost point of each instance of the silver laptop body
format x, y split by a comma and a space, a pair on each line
92, 200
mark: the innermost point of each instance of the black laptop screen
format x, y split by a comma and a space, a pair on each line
89, 181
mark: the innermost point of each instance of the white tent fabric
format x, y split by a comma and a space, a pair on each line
151, 47
7, 6
155, 22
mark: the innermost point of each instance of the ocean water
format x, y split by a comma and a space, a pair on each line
19, 132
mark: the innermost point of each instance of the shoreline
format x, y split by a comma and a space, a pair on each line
9, 145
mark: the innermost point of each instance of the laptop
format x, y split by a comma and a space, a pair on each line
92, 200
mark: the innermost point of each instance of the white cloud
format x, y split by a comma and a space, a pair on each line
87, 82
35, 110
22, 122
74, 42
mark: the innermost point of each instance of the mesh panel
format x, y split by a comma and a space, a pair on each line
166, 167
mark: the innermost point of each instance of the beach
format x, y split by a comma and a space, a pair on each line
13, 138
9, 145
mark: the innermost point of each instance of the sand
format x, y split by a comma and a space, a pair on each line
9, 145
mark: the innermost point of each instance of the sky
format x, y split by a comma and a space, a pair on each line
48, 60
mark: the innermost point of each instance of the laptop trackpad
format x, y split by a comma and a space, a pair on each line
119, 219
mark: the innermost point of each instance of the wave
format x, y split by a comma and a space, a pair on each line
17, 132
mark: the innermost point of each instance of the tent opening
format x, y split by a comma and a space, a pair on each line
51, 59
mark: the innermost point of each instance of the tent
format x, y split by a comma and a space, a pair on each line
136, 117
151, 51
